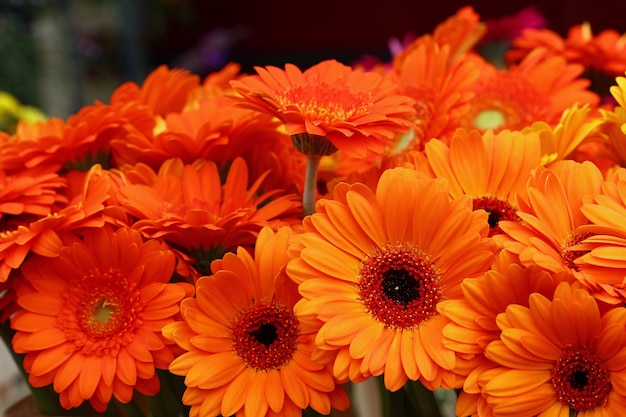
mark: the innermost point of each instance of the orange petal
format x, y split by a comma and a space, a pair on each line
236, 393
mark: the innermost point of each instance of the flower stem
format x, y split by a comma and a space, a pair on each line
367, 398
310, 184
423, 399
168, 402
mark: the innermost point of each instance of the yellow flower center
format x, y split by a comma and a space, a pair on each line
489, 119
505, 101
101, 312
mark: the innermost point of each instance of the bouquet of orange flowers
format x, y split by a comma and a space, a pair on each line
435, 229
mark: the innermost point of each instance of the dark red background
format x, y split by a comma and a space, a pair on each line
303, 32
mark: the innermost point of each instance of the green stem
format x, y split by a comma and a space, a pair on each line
130, 409
168, 402
423, 399
310, 184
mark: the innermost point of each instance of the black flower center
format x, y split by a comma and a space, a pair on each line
400, 286
569, 256
497, 210
581, 379
265, 334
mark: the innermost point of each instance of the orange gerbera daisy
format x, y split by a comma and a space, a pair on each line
559, 356
32, 144
540, 88
372, 267
188, 206
441, 88
473, 321
329, 106
247, 354
602, 53
208, 128
82, 141
165, 90
490, 168
602, 265
92, 317
45, 235
33, 191
551, 215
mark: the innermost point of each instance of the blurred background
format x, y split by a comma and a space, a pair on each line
59, 55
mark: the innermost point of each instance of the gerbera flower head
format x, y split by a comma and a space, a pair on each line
472, 320
576, 126
601, 54
165, 90
601, 263
534, 37
91, 318
45, 235
32, 144
33, 191
491, 168
441, 88
612, 52
208, 127
247, 353
328, 107
539, 88
188, 206
557, 356
551, 216
88, 134
372, 268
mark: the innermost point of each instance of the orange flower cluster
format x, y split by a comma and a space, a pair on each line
468, 234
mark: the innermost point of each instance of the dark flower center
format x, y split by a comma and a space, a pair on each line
266, 335
581, 379
569, 256
497, 210
399, 286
